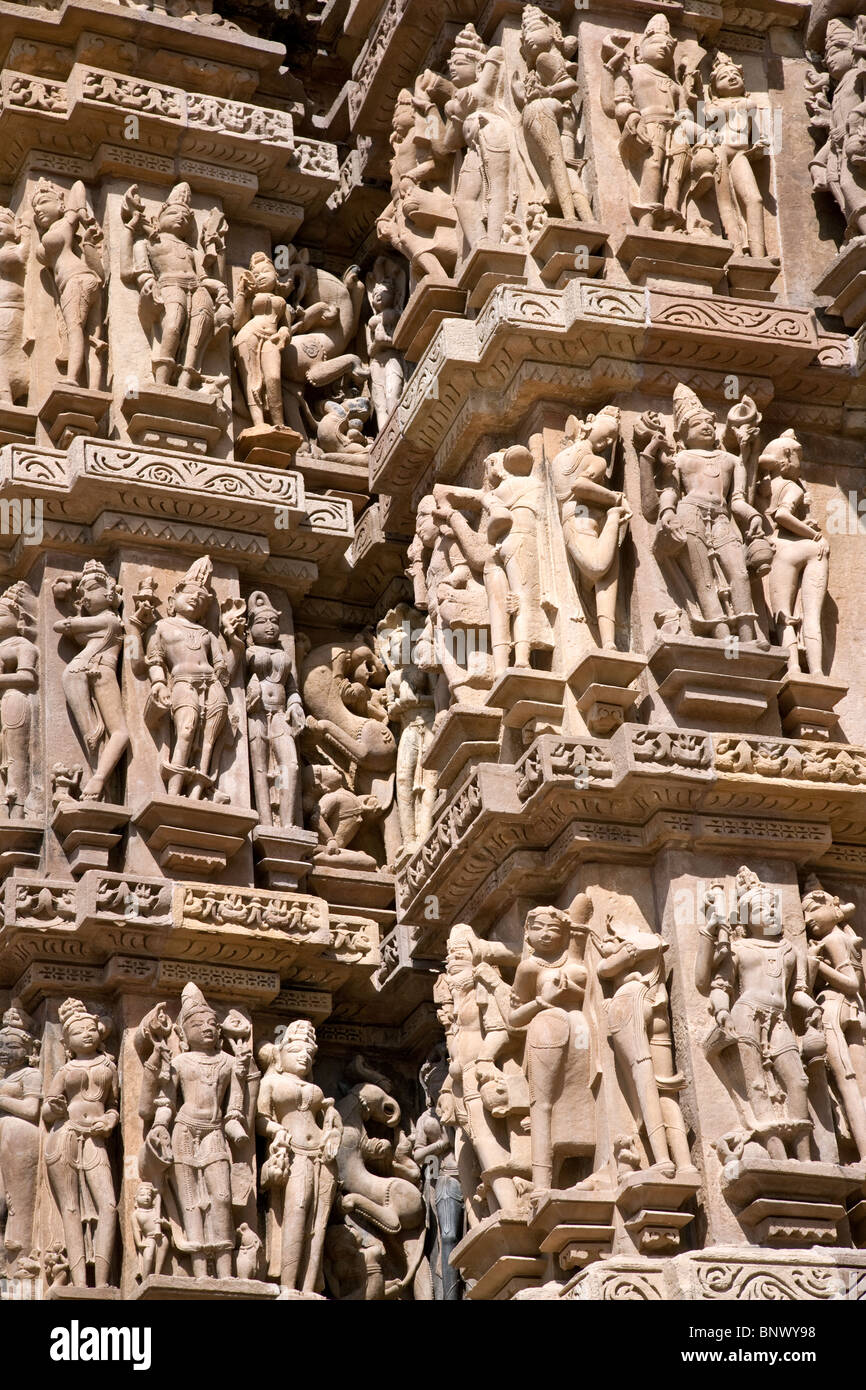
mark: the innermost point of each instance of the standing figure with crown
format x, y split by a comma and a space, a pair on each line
177, 271
69, 246
19, 664
89, 680
275, 716
20, 1103
478, 124
650, 90
81, 1105
755, 980
189, 667
195, 1105
703, 501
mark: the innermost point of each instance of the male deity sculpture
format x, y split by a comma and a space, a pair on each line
505, 550
741, 149
15, 239
89, 680
756, 982
69, 246
799, 571
409, 697
594, 518
275, 716
702, 503
198, 1107
177, 271
650, 91
836, 972
81, 1108
837, 105
632, 964
303, 1131
545, 97
19, 675
189, 666
20, 1104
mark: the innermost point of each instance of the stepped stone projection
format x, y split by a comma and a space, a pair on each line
432, 714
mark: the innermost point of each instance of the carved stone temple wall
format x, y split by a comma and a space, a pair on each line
432, 715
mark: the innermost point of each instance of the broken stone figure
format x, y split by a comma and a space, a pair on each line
19, 666
90, 681
15, 239
80, 1106
20, 1105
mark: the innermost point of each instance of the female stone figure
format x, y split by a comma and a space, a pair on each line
410, 702
275, 715
545, 99
546, 1001
262, 327
385, 293
303, 1132
731, 110
90, 679
20, 1103
639, 1027
15, 237
195, 1106
81, 1105
801, 556
477, 122
69, 247
594, 517
19, 659
835, 959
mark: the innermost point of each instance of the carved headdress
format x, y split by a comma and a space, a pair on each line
193, 1004
73, 1011
469, 43
687, 405
260, 606
14, 1030
198, 576
723, 62
16, 599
